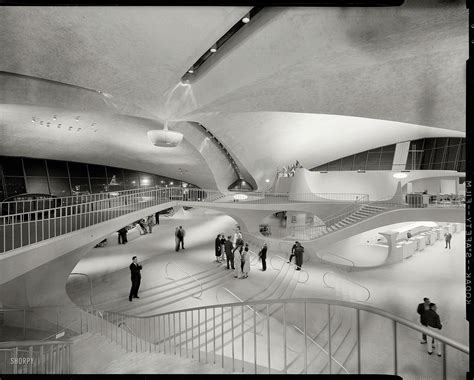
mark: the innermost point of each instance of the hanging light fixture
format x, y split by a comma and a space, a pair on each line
164, 137
400, 175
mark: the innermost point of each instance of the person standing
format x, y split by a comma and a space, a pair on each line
433, 322
447, 238
246, 262
228, 252
135, 269
181, 234
263, 256
238, 258
218, 248
409, 235
421, 310
150, 223
299, 256
223, 248
176, 239
122, 235
293, 251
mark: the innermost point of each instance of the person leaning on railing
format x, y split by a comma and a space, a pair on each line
434, 323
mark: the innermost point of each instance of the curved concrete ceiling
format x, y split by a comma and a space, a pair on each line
288, 70
113, 140
313, 140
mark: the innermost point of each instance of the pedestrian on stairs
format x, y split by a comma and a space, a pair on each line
228, 252
218, 248
135, 269
299, 256
293, 251
263, 256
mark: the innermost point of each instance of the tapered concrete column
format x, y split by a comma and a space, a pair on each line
395, 254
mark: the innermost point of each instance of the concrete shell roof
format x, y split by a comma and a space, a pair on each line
289, 65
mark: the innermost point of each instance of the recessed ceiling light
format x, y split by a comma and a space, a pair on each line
400, 175
267, 180
77, 118
171, 183
33, 120
246, 19
191, 71
54, 117
213, 49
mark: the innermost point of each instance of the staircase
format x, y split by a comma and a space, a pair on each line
92, 353
343, 221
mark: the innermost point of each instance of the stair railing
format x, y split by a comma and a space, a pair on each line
33, 357
242, 301
352, 263
186, 273
165, 325
321, 348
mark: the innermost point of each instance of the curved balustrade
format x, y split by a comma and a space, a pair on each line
240, 300
348, 279
160, 325
90, 284
187, 274
33, 357
285, 262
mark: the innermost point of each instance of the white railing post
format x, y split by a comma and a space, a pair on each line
395, 353
329, 339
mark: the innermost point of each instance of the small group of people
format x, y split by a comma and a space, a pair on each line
429, 318
297, 252
289, 171
179, 234
236, 254
146, 225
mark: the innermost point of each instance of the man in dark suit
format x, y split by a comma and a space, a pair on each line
263, 257
293, 251
135, 269
422, 309
433, 322
299, 250
229, 254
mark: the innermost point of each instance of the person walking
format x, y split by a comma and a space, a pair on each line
238, 258
176, 239
142, 224
135, 269
299, 256
447, 238
293, 251
218, 248
263, 256
228, 252
246, 262
433, 322
181, 235
149, 223
421, 310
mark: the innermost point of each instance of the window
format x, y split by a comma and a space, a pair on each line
15, 186
96, 171
77, 169
12, 166
34, 167
57, 169
37, 185
59, 186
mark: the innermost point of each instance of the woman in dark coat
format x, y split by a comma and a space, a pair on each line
218, 248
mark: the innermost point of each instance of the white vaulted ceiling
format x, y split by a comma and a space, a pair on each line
332, 81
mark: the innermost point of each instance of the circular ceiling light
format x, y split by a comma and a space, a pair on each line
191, 71
171, 183
213, 49
246, 19
400, 175
267, 180
165, 138
240, 197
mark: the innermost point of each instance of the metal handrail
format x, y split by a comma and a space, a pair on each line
338, 256
321, 348
34, 343
189, 275
240, 300
285, 262
90, 283
60, 331
348, 279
